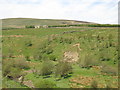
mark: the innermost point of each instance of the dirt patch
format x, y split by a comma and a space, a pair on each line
83, 81
78, 46
29, 71
28, 83
12, 36
71, 56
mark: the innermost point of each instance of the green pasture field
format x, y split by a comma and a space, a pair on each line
96, 48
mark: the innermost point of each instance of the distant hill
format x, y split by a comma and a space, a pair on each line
22, 22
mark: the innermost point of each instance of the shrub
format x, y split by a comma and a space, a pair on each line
15, 72
48, 50
21, 63
52, 57
7, 83
45, 84
105, 55
63, 68
108, 85
30, 26
28, 43
88, 61
27, 58
7, 64
45, 69
10, 53
109, 70
94, 84
42, 51
65, 40
12, 68
37, 55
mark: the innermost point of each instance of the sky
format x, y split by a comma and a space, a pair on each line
98, 11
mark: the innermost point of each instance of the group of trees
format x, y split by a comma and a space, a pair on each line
30, 26
12, 68
79, 25
87, 25
62, 69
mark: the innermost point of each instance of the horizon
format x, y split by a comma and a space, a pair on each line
102, 12
47, 19
53, 19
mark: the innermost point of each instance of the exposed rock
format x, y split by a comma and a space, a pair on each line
71, 56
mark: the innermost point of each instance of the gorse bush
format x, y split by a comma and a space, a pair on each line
7, 64
66, 40
7, 83
30, 26
21, 63
105, 55
52, 57
63, 68
37, 55
15, 72
12, 68
46, 68
43, 50
88, 60
10, 53
28, 43
94, 84
109, 70
45, 84
27, 58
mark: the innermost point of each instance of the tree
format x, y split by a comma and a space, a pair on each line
12, 68
63, 69
45, 84
45, 69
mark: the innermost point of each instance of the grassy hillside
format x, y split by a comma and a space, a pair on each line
60, 58
22, 22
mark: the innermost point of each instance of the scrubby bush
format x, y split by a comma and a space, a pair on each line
39, 51
52, 57
12, 68
21, 63
10, 53
42, 52
15, 72
109, 70
7, 83
65, 40
108, 85
27, 58
28, 43
94, 84
37, 55
46, 68
45, 84
88, 61
48, 50
30, 26
7, 64
63, 68
104, 55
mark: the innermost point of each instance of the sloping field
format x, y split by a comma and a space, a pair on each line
60, 58
22, 22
